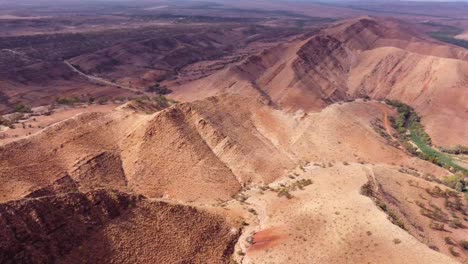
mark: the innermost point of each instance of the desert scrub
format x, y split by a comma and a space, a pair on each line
437, 226
21, 108
284, 190
392, 216
67, 100
434, 213
449, 241
395, 219
456, 223
463, 244
252, 211
457, 182
158, 89
454, 252
366, 190
241, 197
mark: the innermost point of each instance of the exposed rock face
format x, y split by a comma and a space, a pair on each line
158, 232
363, 57
63, 185
42, 230
110, 227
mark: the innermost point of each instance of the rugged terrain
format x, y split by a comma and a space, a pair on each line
357, 58
294, 138
207, 152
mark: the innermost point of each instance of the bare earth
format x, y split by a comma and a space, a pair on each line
239, 132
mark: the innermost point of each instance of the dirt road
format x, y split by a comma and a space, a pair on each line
101, 80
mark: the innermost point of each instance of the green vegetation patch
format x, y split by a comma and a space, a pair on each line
446, 33
409, 127
21, 108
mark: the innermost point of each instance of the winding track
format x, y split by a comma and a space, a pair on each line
100, 80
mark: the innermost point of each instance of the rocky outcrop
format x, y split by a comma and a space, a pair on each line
42, 230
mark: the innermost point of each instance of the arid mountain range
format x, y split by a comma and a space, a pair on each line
231, 132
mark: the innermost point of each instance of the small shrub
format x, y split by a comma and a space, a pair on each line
252, 211
434, 247
21, 108
158, 89
67, 100
395, 219
449, 241
244, 223
456, 223
366, 190
285, 193
396, 241
437, 226
456, 182
102, 101
381, 205
454, 252
464, 244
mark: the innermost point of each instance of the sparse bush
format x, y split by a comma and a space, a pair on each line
464, 244
285, 193
434, 247
437, 226
449, 241
366, 190
102, 101
244, 223
158, 89
395, 219
410, 148
396, 241
21, 108
456, 181
381, 205
436, 213
456, 223
435, 192
252, 211
454, 252
67, 100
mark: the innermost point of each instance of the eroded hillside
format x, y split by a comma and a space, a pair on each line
292, 155
241, 158
365, 57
